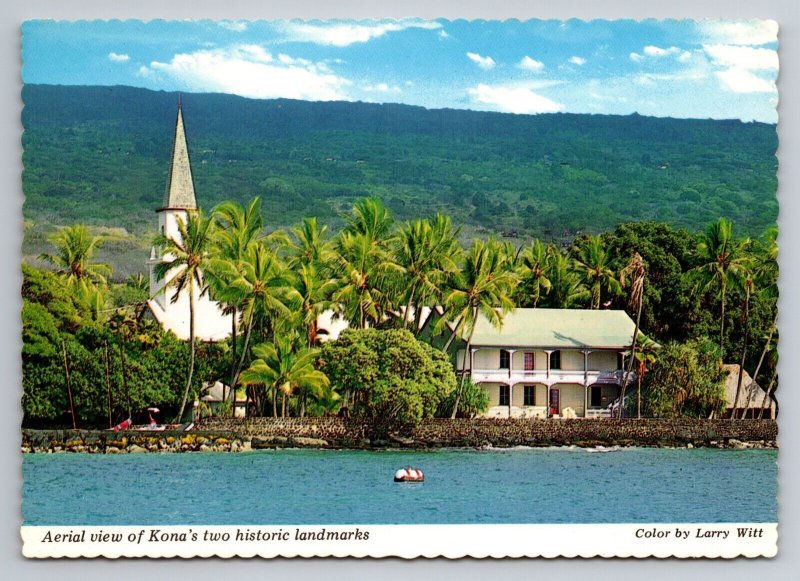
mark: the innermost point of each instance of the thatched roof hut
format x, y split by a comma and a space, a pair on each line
751, 397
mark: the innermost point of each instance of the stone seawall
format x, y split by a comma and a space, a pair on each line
240, 435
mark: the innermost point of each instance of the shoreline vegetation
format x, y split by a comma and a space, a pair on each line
338, 433
92, 357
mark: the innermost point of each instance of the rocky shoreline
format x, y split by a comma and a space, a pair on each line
338, 433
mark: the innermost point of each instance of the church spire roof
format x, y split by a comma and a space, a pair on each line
180, 185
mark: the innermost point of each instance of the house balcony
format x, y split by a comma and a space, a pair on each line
551, 377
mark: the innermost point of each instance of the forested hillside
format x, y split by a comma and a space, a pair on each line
100, 156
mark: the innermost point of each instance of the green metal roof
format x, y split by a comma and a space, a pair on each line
557, 328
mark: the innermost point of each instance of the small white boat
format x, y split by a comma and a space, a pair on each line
409, 475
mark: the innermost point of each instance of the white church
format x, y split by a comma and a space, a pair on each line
173, 315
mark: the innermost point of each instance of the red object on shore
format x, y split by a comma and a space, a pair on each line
124, 425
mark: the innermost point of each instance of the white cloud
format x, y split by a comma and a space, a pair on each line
739, 64
234, 25
340, 34
118, 58
658, 52
143, 71
530, 64
443, 34
685, 56
513, 99
741, 80
484, 62
745, 32
576, 60
287, 60
250, 71
636, 57
763, 59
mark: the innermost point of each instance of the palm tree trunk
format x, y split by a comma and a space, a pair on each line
452, 335
283, 404
274, 402
108, 388
233, 364
763, 356
125, 374
410, 302
639, 396
464, 368
766, 396
69, 386
631, 360
744, 352
191, 356
238, 371
722, 327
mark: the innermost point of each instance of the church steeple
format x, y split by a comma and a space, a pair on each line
180, 185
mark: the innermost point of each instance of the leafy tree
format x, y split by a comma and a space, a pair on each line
388, 374
689, 381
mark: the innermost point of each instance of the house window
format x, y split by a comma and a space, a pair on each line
530, 395
505, 359
530, 364
555, 360
504, 394
162, 230
596, 397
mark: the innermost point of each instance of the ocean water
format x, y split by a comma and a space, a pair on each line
556, 485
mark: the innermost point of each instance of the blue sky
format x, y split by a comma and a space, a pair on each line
677, 68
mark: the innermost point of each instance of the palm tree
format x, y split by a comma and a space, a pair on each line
182, 261
483, 286
370, 218
310, 244
73, 259
723, 259
636, 271
237, 230
287, 366
594, 262
427, 251
314, 293
534, 264
363, 270
264, 291
566, 287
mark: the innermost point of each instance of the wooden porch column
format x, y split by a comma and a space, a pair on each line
510, 397
547, 403
547, 357
510, 362
586, 383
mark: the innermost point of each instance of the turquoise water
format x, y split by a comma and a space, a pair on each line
355, 487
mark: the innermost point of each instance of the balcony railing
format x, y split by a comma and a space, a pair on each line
542, 376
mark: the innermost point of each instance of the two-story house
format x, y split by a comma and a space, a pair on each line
542, 361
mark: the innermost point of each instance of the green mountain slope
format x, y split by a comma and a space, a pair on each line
100, 155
